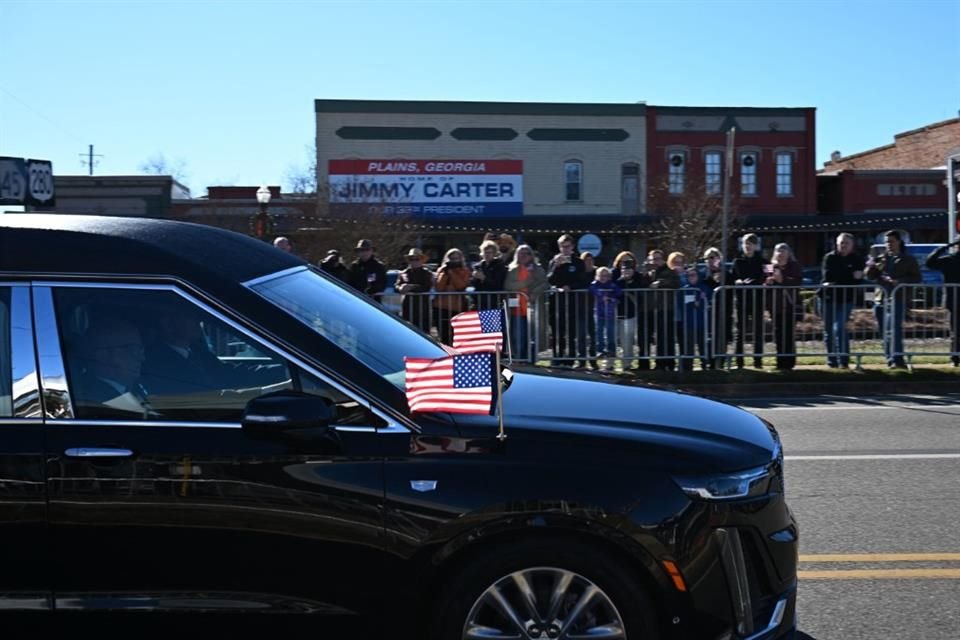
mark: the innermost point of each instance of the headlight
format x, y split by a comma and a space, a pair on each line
728, 486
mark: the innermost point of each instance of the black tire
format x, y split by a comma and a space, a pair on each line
623, 590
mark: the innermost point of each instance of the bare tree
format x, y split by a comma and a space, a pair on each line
302, 179
340, 226
158, 165
691, 221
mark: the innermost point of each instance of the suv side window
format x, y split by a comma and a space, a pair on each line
6, 356
150, 354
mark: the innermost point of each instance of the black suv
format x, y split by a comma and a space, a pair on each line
194, 421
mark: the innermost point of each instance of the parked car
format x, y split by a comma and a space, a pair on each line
194, 421
390, 299
812, 276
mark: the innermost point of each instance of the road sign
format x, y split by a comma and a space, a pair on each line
40, 188
26, 182
13, 181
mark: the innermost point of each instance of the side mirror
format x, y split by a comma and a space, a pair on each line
290, 417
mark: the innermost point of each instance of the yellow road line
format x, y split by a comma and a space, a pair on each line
882, 557
878, 574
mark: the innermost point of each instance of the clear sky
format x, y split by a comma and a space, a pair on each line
225, 90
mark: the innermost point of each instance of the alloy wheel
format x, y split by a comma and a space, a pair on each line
543, 603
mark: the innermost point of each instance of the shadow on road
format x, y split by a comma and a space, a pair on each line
803, 636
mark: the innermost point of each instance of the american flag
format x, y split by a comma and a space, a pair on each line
475, 331
455, 384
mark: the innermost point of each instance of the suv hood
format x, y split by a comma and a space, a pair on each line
674, 428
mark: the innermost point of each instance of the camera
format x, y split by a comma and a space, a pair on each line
628, 264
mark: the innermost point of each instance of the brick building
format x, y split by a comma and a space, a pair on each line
773, 185
575, 167
899, 185
923, 148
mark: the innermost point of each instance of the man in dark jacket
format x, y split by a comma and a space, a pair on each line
333, 265
367, 274
895, 266
842, 271
950, 266
748, 273
567, 273
415, 283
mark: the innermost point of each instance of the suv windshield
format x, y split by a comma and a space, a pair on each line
353, 323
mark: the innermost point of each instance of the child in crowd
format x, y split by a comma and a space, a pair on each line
696, 296
606, 294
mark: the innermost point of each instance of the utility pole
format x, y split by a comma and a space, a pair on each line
726, 202
90, 155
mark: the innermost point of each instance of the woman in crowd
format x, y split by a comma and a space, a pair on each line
489, 275
631, 309
452, 276
528, 279
784, 274
720, 330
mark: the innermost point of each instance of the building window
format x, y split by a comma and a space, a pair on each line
748, 173
630, 187
784, 174
713, 170
573, 180
678, 166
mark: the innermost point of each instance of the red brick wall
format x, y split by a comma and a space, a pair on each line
804, 198
867, 191
922, 148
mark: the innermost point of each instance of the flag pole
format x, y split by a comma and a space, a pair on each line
506, 327
500, 436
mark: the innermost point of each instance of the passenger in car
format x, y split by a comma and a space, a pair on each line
108, 383
178, 361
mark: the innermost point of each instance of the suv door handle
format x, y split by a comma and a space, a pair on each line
98, 452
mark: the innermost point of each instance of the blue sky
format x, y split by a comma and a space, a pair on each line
226, 89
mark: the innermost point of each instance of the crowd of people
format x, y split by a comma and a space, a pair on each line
665, 312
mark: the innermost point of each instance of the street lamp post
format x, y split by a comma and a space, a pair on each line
261, 223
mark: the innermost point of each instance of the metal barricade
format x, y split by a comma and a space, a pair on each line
431, 312
790, 325
921, 324
733, 326
664, 329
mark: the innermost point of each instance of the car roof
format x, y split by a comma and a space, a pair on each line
113, 245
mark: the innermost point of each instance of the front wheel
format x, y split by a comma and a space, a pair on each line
547, 590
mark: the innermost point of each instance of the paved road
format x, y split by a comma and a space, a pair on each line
875, 486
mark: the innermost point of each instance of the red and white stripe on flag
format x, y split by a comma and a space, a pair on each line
476, 331
455, 384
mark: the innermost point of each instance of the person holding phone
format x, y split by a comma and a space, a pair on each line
489, 275
843, 269
893, 267
529, 280
784, 274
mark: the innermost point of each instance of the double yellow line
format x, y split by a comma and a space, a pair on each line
872, 573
